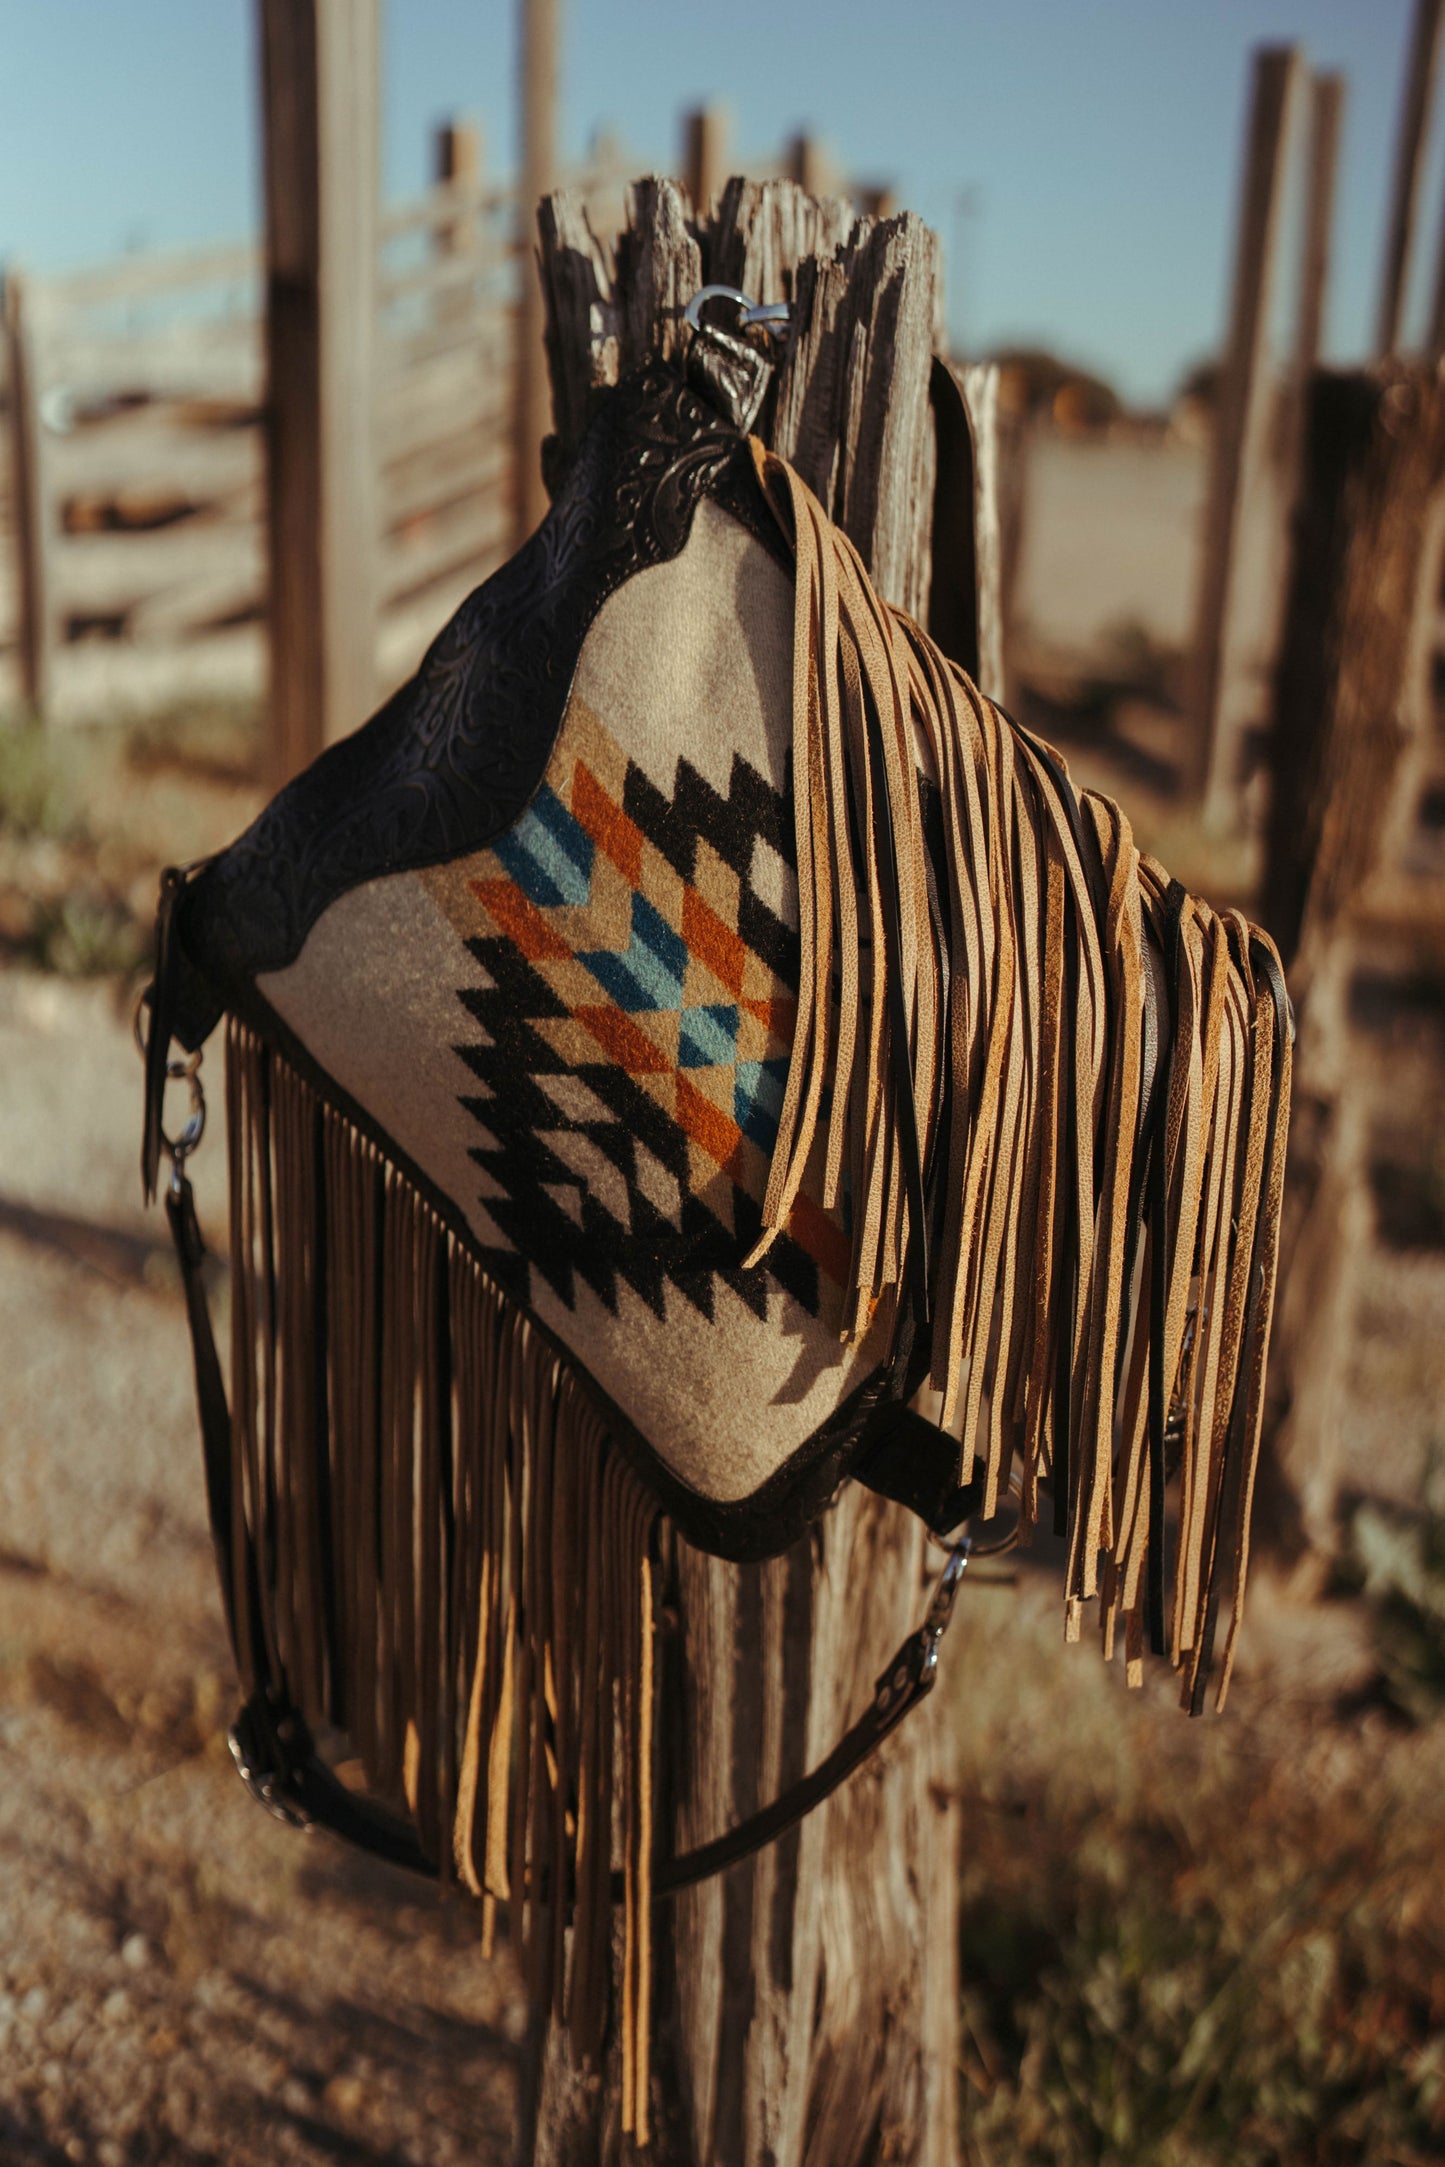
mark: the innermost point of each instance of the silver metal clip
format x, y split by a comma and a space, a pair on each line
179, 1148
770, 316
940, 1610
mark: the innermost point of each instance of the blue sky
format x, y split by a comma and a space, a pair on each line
1096, 141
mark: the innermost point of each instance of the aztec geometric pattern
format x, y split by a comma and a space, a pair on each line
636, 1020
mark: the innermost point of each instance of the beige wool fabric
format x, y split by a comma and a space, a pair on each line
693, 655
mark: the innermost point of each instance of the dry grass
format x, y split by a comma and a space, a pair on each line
87, 817
1221, 1941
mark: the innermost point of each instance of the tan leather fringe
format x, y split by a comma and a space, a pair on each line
1053, 1114
455, 1564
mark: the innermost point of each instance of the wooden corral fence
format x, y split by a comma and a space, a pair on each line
133, 552
1258, 454
133, 394
135, 503
1353, 866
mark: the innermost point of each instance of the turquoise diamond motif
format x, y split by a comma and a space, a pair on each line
708, 1037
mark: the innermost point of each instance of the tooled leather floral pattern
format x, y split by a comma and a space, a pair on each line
452, 760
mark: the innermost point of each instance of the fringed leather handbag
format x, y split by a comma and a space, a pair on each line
686, 1020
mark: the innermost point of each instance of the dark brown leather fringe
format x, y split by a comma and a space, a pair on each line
455, 1567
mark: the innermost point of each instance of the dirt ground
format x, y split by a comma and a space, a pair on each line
181, 1978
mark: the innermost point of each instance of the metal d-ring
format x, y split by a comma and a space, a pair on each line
997, 1546
181, 1147
770, 316
1000, 1545
188, 1071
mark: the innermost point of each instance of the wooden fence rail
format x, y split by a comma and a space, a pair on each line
133, 483
133, 554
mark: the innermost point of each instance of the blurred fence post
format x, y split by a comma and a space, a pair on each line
1410, 150
32, 510
457, 163
1220, 712
1326, 108
806, 164
704, 152
539, 161
1361, 615
966, 604
319, 70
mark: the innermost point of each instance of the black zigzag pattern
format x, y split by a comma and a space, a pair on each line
528, 1180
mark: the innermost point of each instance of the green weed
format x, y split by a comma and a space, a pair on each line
216, 740
84, 935
37, 793
1394, 1555
1257, 1978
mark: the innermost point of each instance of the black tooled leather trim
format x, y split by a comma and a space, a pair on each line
453, 759
450, 763
743, 1530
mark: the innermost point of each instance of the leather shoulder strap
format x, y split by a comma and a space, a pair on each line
273, 1749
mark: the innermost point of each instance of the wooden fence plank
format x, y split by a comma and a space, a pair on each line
439, 404
1420, 67
704, 154
473, 532
108, 575
184, 335
32, 516
861, 327
449, 278
440, 207
466, 464
457, 152
144, 278
488, 339
1354, 693
603, 168
539, 161
320, 68
979, 383
1326, 110
1240, 426
150, 449
222, 362
196, 606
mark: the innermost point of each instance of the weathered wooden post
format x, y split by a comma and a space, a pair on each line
1222, 694
539, 171
704, 148
32, 510
1410, 147
1353, 684
319, 74
979, 384
807, 2000
1326, 110
457, 163
808, 164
